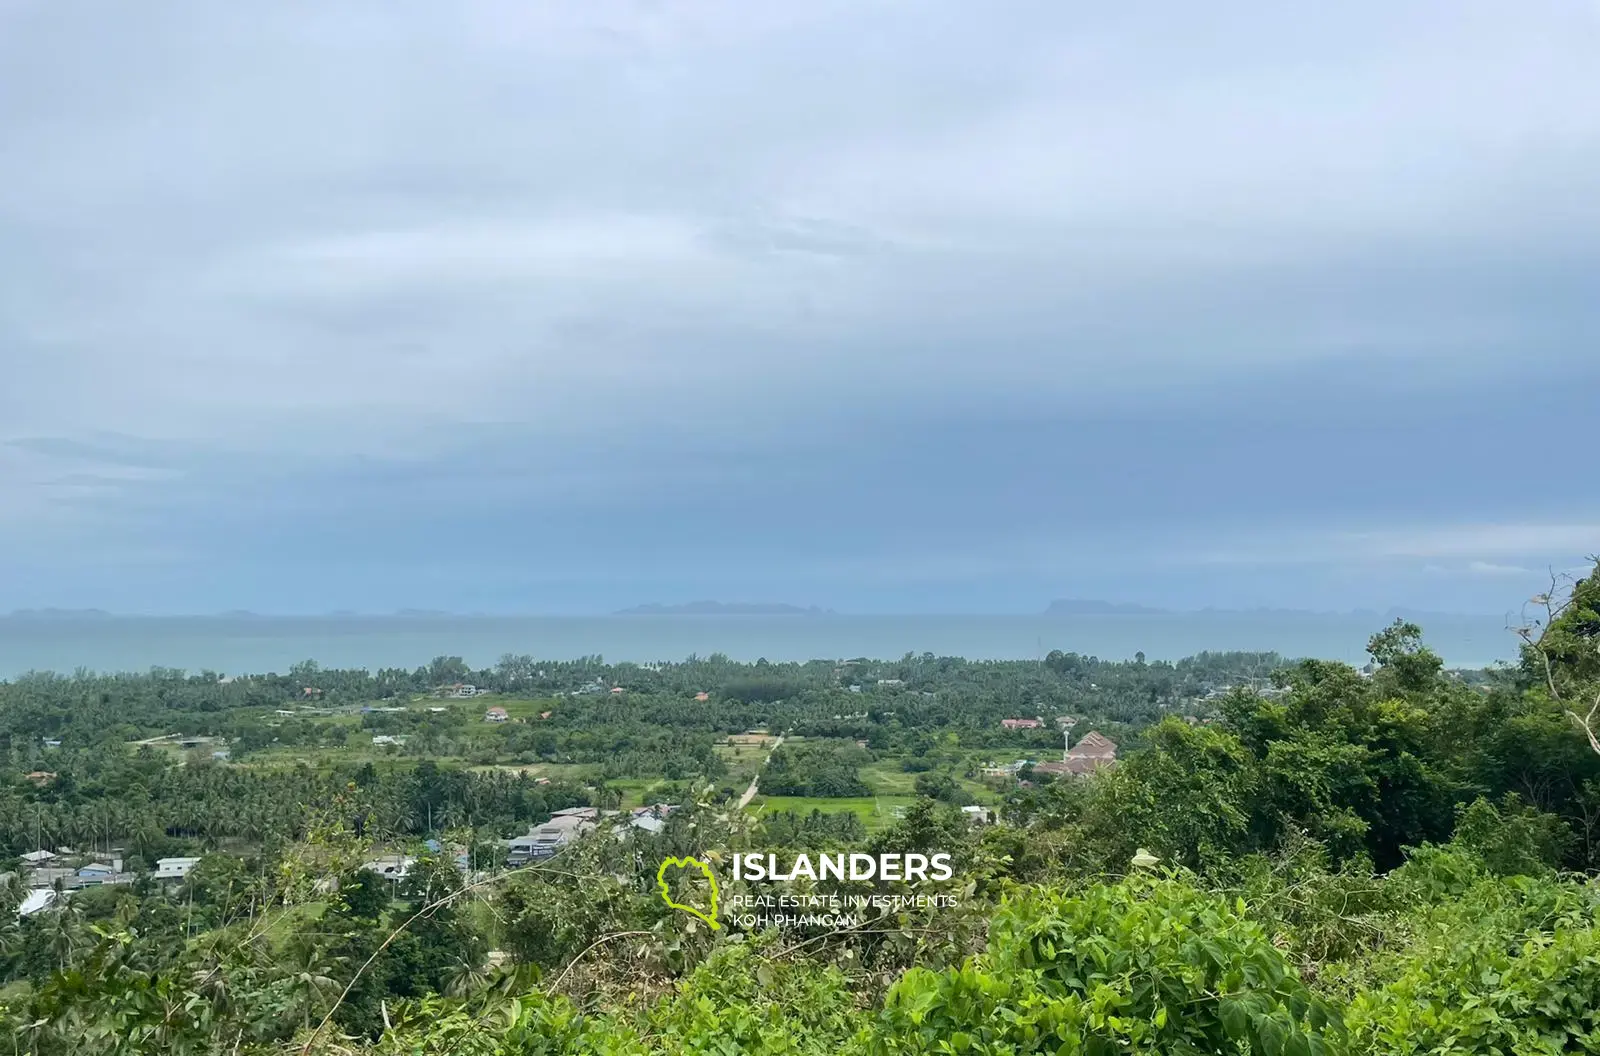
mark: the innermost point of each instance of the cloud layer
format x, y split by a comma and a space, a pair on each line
892, 304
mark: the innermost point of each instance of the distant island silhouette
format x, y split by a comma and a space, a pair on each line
1079, 607
723, 608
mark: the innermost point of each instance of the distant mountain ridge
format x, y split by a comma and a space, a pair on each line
1059, 607
1081, 607
723, 608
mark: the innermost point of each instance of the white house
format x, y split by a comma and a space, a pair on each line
395, 867
37, 858
37, 900
545, 840
174, 868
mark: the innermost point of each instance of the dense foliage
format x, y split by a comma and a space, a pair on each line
1312, 860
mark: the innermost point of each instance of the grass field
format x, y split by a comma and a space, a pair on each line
743, 761
578, 772
875, 812
638, 791
885, 777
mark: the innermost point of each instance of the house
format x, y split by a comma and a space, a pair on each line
1052, 768
38, 900
174, 868
394, 867
1094, 751
41, 777
437, 711
38, 858
221, 755
381, 739
979, 815
496, 714
702, 697
616, 689
546, 714
545, 840
890, 682
100, 872
67, 878
1021, 724
1094, 746
52, 742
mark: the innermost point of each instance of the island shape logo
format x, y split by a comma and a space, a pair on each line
711, 878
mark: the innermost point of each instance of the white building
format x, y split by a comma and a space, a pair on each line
545, 840
394, 867
41, 899
174, 868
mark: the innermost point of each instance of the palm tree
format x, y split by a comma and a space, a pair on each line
462, 978
312, 981
63, 936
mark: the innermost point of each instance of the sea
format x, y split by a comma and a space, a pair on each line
258, 645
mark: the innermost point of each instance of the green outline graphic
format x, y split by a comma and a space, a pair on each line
684, 863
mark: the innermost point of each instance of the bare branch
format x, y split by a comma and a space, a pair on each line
436, 904
598, 942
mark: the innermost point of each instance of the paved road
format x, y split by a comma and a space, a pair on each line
750, 793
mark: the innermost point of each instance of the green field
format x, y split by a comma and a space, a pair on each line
578, 773
886, 778
875, 812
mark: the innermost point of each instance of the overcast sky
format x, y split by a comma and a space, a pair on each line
882, 306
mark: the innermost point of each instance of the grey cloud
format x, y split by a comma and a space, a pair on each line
293, 233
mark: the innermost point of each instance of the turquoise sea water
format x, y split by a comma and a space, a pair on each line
257, 645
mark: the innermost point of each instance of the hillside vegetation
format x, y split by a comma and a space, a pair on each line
1314, 860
